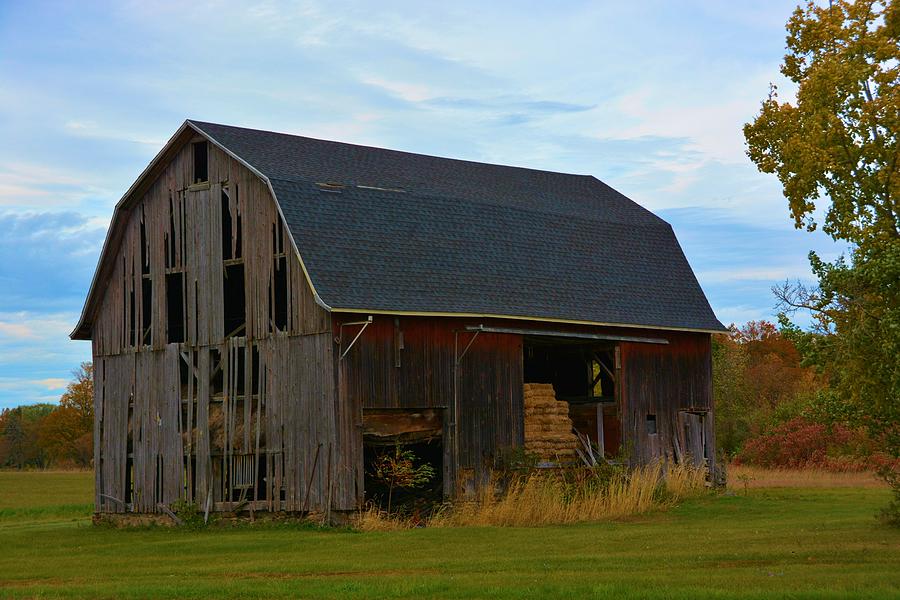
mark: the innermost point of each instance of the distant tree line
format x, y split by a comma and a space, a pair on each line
51, 435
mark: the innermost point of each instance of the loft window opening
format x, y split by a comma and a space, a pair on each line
201, 162
175, 307
651, 424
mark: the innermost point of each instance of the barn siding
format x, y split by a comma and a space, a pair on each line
491, 413
663, 380
156, 400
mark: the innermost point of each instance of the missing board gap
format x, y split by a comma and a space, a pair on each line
146, 312
279, 292
175, 325
234, 309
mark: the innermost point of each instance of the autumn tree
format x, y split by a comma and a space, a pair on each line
66, 434
834, 147
759, 381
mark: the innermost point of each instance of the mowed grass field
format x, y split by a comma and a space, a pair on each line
796, 542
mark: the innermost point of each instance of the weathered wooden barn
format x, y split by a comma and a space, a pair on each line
268, 308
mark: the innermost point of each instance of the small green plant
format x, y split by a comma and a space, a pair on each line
190, 514
745, 479
398, 469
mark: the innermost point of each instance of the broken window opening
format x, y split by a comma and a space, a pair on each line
147, 311
651, 424
231, 228
227, 245
234, 312
201, 162
175, 307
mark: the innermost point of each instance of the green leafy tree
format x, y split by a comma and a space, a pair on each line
398, 469
834, 147
19, 447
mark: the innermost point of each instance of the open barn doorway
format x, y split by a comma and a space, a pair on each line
398, 435
582, 374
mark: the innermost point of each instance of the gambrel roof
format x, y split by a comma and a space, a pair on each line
394, 232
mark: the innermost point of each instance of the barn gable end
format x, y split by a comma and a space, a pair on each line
209, 346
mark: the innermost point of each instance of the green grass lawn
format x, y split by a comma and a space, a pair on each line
797, 543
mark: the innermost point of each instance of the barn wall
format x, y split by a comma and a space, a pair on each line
194, 407
672, 382
408, 362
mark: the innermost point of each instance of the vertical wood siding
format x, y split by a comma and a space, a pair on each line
491, 415
664, 380
212, 419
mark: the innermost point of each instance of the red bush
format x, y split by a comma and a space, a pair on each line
800, 443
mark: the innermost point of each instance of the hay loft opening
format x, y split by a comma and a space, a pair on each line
579, 375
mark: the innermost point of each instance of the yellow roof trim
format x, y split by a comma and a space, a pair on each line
410, 313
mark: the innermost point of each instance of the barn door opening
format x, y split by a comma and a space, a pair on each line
414, 433
583, 375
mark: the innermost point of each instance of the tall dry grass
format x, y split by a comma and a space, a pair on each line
373, 518
741, 476
542, 498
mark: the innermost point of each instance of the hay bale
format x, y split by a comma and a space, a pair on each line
548, 428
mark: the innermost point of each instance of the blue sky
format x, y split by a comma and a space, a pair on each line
649, 97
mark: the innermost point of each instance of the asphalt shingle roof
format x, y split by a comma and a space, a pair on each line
416, 233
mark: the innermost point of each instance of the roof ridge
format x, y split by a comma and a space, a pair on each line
394, 150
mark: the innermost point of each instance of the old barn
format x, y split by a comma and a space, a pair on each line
269, 309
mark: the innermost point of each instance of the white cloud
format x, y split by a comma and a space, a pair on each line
17, 331
766, 273
91, 129
51, 383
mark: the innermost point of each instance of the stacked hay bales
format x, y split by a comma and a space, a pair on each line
548, 428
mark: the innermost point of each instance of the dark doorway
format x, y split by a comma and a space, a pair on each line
414, 431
